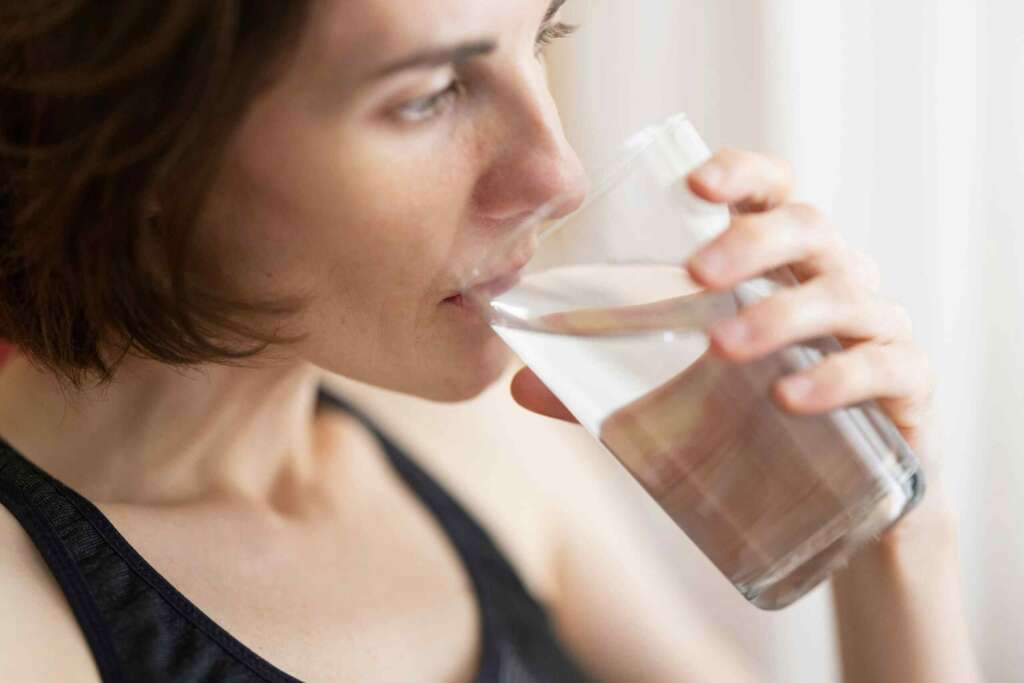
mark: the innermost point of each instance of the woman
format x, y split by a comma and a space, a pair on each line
206, 207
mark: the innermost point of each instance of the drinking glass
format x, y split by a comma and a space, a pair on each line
598, 304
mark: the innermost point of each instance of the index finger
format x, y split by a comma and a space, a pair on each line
750, 182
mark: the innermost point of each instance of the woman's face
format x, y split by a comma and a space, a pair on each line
376, 169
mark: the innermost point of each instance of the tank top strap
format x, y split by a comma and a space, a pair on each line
56, 527
503, 599
136, 624
474, 543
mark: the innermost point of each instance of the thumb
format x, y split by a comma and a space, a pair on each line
529, 392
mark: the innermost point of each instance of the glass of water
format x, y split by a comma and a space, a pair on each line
598, 304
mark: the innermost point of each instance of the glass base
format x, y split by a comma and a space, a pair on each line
789, 583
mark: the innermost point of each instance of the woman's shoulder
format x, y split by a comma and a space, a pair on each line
39, 636
507, 467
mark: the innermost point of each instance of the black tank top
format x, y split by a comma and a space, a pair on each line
140, 628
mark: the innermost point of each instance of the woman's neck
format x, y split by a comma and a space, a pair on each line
161, 435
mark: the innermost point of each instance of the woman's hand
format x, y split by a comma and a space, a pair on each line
837, 295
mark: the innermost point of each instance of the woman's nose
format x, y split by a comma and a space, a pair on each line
533, 166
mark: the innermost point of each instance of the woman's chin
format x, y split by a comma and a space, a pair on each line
470, 380
472, 372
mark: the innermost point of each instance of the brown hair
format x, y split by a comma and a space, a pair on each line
105, 106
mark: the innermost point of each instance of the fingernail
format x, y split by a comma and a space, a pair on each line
710, 174
731, 333
796, 389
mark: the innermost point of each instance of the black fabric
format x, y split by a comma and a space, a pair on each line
140, 628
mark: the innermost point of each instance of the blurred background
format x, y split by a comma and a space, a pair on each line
905, 122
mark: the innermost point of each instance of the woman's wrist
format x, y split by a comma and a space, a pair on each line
923, 540
898, 603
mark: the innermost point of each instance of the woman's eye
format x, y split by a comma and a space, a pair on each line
553, 32
430, 106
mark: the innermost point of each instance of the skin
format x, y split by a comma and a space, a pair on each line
333, 192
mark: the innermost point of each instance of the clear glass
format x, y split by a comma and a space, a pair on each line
597, 303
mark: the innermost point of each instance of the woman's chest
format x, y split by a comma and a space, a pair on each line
382, 595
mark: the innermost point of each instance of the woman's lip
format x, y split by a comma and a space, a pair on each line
496, 285
516, 257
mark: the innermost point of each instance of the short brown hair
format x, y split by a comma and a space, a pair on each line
103, 106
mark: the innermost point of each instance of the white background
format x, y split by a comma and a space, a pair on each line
905, 121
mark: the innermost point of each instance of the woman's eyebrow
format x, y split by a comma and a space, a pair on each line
432, 58
439, 56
